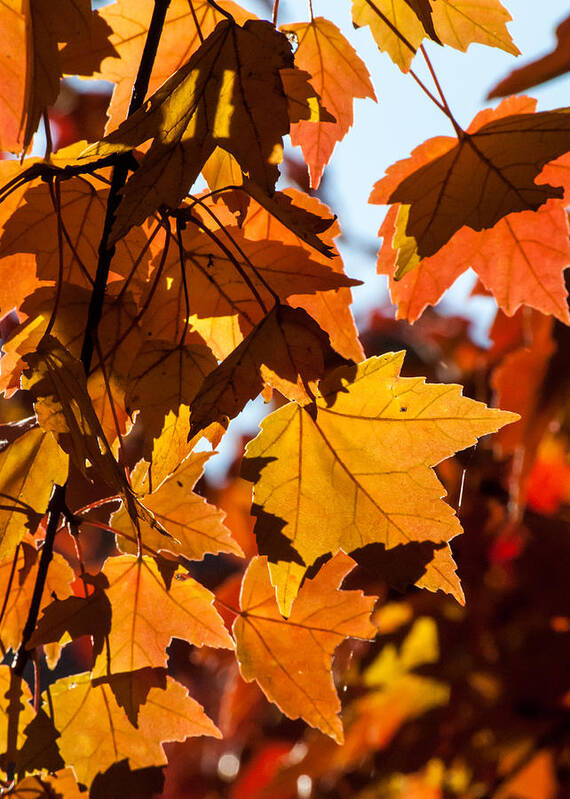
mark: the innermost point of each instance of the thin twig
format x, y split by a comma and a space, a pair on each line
47, 129
118, 180
275, 12
55, 509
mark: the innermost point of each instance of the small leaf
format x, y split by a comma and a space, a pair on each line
291, 658
29, 468
338, 75
194, 527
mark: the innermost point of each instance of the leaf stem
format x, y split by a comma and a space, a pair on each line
275, 13
446, 109
196, 23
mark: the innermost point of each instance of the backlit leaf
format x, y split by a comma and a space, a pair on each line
29, 468
180, 39
213, 100
18, 600
480, 179
286, 350
146, 614
338, 75
58, 385
520, 259
95, 732
291, 658
195, 528
355, 468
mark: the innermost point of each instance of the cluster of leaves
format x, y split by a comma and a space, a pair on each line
141, 314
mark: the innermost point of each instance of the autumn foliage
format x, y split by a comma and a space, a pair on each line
301, 624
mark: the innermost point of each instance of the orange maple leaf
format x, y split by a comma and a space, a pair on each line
479, 179
520, 259
338, 75
291, 658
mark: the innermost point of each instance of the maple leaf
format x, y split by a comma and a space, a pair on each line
231, 289
291, 658
23, 568
479, 179
543, 69
75, 616
95, 731
183, 31
286, 351
193, 527
229, 94
63, 406
74, 210
146, 613
47, 25
28, 469
354, 468
180, 371
399, 26
338, 75
520, 259
331, 309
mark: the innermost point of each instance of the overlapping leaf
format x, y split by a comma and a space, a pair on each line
399, 26
291, 659
229, 94
95, 731
232, 282
338, 75
520, 259
193, 527
63, 406
479, 179
354, 468
181, 36
80, 208
330, 308
23, 567
287, 351
146, 613
29, 467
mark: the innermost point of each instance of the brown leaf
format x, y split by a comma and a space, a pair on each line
229, 94
287, 351
488, 174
